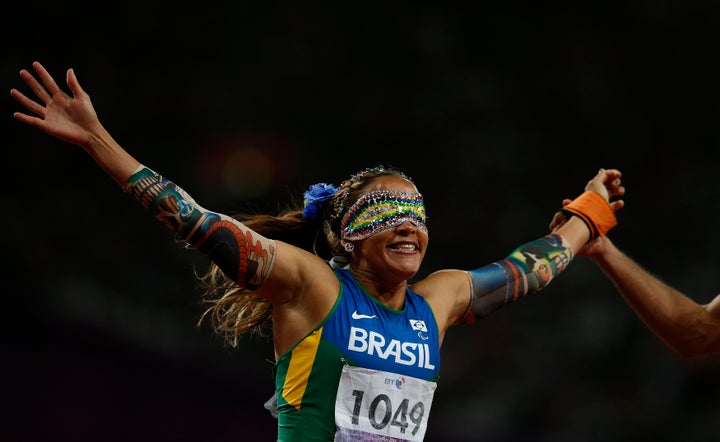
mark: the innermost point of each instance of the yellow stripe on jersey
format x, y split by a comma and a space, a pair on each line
301, 361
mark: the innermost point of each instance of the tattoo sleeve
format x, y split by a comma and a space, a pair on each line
243, 255
528, 269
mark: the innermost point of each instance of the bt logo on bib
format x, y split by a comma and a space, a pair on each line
397, 382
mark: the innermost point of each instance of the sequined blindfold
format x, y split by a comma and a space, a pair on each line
381, 210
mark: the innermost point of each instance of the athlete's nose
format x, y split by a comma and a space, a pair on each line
407, 227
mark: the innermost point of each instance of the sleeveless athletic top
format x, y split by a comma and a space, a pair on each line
359, 331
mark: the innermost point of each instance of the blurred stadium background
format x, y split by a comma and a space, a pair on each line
498, 111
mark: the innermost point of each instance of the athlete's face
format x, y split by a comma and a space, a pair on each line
396, 252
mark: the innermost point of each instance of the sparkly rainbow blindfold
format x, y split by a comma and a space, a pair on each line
381, 210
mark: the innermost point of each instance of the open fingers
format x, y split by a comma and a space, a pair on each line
29, 120
35, 86
29, 104
73, 83
46, 78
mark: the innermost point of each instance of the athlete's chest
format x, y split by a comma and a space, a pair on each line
376, 337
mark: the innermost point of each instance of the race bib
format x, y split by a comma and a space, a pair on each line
374, 405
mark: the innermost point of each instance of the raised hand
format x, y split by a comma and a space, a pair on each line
69, 118
607, 183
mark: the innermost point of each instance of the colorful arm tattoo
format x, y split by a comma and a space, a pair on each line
243, 255
528, 269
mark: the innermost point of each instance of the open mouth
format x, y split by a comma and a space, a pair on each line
403, 247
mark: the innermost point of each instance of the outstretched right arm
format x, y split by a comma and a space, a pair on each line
243, 255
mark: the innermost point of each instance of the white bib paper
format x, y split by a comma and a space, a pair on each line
374, 405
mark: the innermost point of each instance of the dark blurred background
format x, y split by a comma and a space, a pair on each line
497, 110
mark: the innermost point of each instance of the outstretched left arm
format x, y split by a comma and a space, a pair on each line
528, 269
531, 267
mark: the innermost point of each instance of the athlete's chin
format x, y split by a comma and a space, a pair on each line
407, 268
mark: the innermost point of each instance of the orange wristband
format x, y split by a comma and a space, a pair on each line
595, 212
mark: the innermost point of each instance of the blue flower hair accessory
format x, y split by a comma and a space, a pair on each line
314, 198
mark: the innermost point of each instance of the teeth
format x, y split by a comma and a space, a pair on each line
405, 246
